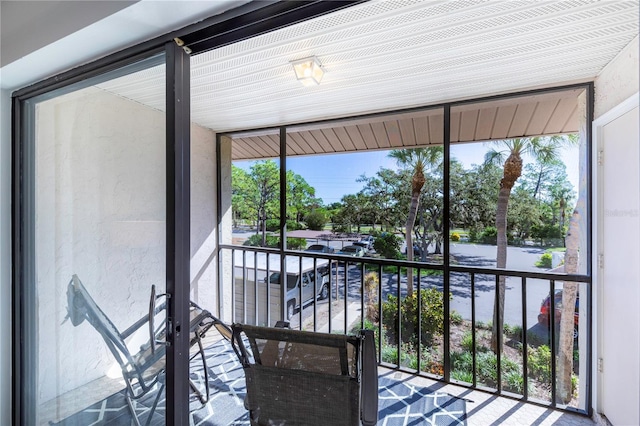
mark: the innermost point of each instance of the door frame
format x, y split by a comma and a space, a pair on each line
598, 211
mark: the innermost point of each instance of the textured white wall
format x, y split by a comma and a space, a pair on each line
101, 214
226, 227
203, 219
618, 80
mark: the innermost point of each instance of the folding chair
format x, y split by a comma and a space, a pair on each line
143, 370
303, 378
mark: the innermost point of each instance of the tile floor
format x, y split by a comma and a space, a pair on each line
485, 409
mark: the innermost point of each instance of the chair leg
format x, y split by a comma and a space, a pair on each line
204, 398
155, 404
132, 408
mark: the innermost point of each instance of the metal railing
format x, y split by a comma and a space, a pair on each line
420, 344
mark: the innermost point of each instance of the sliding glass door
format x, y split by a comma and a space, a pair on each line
101, 287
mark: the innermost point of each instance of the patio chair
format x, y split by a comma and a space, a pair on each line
145, 369
304, 378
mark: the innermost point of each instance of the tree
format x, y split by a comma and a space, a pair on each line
417, 159
543, 149
300, 196
244, 195
266, 176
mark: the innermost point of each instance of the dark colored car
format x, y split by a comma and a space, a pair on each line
319, 248
544, 317
417, 251
355, 251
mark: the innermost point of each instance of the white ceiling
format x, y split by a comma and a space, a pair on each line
386, 55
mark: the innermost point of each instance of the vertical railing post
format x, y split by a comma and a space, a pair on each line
446, 249
525, 347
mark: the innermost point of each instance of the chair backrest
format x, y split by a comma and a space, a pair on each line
304, 378
81, 306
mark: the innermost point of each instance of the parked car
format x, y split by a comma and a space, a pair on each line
320, 248
355, 251
544, 317
417, 251
365, 245
368, 240
294, 280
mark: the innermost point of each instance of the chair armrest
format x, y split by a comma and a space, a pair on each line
369, 380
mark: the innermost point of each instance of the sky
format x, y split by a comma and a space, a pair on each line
335, 175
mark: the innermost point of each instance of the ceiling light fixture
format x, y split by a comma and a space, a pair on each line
308, 71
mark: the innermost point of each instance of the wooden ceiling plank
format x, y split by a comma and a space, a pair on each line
238, 152
302, 143
356, 137
421, 131
380, 133
521, 120
270, 145
342, 134
407, 132
504, 116
367, 135
293, 146
436, 130
322, 139
571, 126
393, 133
468, 123
486, 121
313, 142
250, 147
559, 121
541, 115
455, 125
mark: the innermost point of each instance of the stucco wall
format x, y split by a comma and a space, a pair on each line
101, 214
618, 80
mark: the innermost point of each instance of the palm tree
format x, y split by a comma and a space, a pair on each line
542, 149
417, 159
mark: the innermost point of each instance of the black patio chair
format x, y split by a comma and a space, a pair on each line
306, 379
144, 369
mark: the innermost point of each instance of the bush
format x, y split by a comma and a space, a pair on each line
274, 242
432, 314
455, 236
316, 220
545, 261
540, 363
387, 245
489, 235
273, 225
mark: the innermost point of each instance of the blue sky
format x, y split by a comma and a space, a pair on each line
334, 176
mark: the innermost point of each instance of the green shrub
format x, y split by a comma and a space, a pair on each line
545, 261
316, 220
455, 316
432, 314
387, 245
455, 236
473, 235
489, 235
274, 241
462, 376
296, 243
513, 381
467, 342
273, 225
539, 363
389, 354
